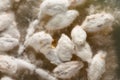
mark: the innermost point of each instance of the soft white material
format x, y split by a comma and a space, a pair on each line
7, 44
7, 64
40, 41
9, 37
78, 35
11, 65
97, 66
64, 48
52, 56
53, 7
6, 19
5, 5
44, 74
97, 22
84, 52
31, 28
68, 69
6, 78
62, 20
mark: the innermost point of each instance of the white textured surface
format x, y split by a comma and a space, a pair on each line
5, 5
9, 32
6, 19
6, 78
53, 15
44, 74
97, 66
39, 41
97, 22
62, 20
7, 44
11, 65
7, 64
52, 55
78, 35
68, 69
53, 7
84, 52
64, 48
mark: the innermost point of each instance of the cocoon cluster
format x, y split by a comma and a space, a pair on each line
72, 53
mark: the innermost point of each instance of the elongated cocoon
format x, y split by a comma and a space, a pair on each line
68, 69
11, 65
52, 7
7, 44
97, 67
97, 22
78, 35
40, 41
64, 48
62, 20
52, 56
84, 52
6, 19
7, 64
8, 25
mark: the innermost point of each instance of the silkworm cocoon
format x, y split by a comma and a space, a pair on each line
5, 5
84, 52
64, 48
8, 25
7, 64
6, 19
9, 32
12, 31
53, 57
78, 35
97, 66
62, 20
68, 69
52, 7
44, 74
97, 22
6, 78
7, 44
11, 65
40, 41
